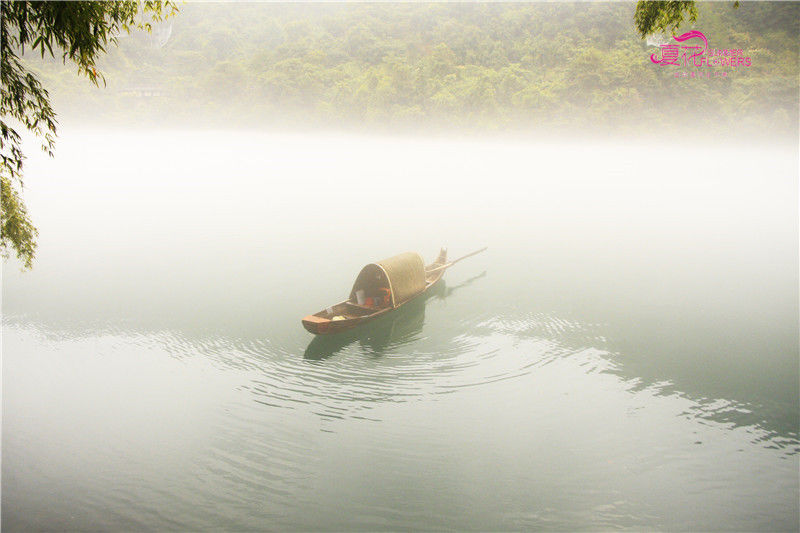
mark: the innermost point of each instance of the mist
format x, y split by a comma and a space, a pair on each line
624, 355
540, 68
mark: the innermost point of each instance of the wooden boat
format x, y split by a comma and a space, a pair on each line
381, 288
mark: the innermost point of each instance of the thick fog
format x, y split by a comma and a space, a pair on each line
624, 354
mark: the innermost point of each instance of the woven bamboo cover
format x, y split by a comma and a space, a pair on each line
405, 273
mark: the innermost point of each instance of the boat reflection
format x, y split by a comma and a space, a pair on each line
380, 336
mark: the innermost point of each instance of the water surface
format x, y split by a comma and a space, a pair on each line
625, 354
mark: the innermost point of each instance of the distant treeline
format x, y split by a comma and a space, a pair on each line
473, 66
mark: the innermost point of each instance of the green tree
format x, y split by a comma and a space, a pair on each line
652, 16
78, 32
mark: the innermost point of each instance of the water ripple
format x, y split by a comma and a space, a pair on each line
354, 378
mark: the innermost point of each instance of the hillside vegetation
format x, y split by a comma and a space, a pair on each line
443, 65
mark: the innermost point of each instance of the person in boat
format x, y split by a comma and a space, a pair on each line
382, 297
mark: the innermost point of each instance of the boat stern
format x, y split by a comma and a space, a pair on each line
317, 324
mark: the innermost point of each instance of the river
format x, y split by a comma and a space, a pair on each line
624, 354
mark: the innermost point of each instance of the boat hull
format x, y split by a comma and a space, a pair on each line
319, 325
331, 327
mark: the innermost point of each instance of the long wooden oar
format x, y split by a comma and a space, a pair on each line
451, 263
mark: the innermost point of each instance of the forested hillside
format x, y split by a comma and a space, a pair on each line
469, 66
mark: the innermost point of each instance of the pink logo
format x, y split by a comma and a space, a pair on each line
670, 52
695, 55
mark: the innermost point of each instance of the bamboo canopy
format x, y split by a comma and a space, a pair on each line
404, 274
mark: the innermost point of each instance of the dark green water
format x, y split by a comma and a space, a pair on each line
625, 354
